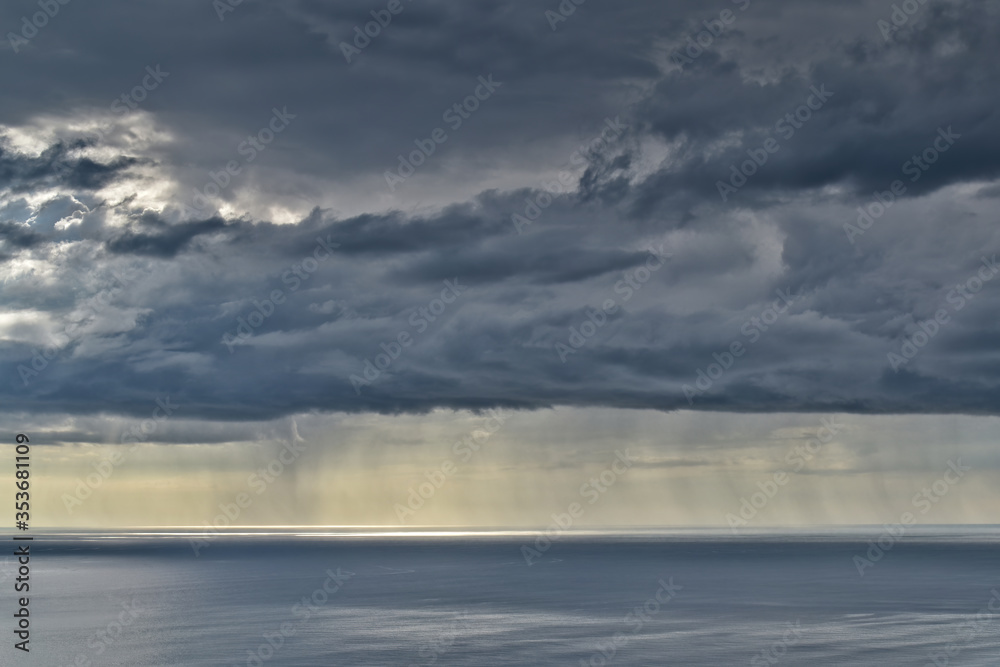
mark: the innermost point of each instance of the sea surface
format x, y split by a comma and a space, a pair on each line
321, 598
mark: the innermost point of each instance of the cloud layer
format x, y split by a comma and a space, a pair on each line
568, 243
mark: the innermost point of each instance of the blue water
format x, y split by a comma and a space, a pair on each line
462, 600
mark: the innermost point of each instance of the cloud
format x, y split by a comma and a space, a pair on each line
337, 268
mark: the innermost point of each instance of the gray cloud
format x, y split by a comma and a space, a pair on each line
116, 209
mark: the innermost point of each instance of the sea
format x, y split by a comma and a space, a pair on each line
323, 597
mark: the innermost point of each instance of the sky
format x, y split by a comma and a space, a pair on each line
467, 264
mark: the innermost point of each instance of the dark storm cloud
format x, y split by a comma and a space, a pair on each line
167, 242
19, 236
569, 306
56, 167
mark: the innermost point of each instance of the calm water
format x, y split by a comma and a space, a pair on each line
792, 600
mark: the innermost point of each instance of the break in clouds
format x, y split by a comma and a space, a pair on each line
738, 206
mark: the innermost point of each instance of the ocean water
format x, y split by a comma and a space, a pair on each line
380, 599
